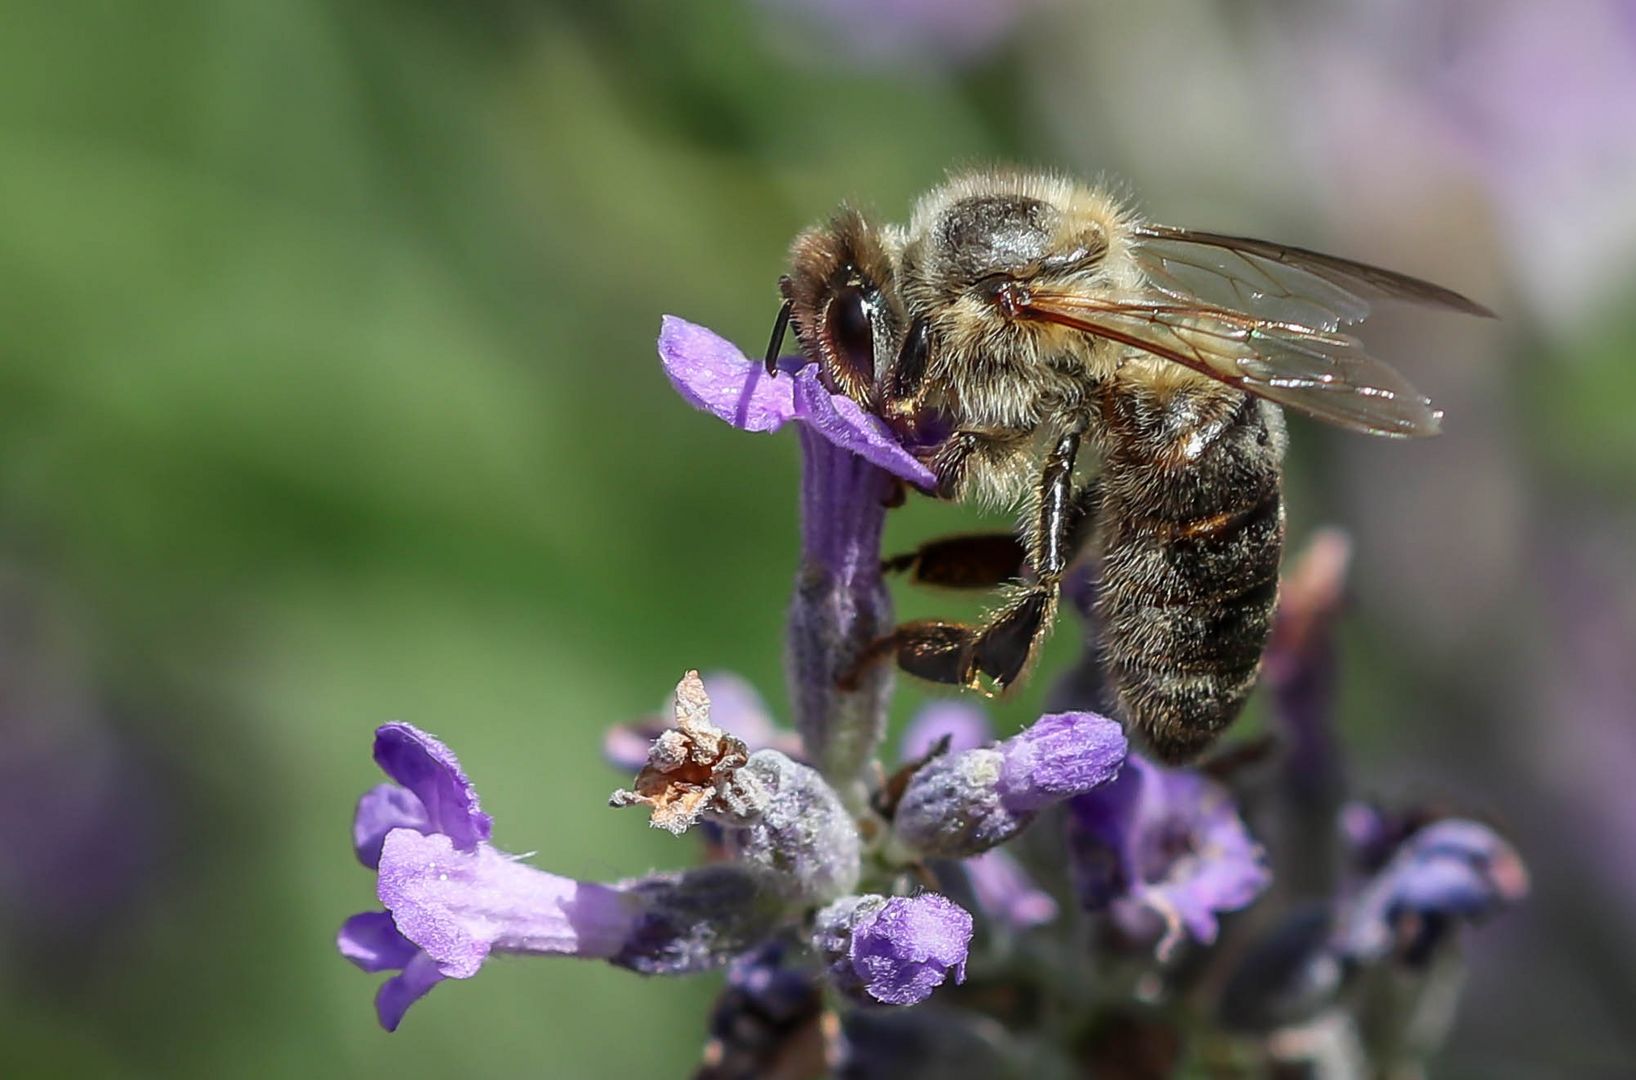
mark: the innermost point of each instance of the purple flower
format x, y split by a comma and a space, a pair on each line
894, 950
965, 803
715, 376
1163, 851
452, 898
431, 795
841, 606
1451, 870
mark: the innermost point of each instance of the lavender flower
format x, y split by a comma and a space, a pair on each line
1452, 870
849, 460
452, 899
893, 950
774, 814
965, 803
999, 885
1163, 851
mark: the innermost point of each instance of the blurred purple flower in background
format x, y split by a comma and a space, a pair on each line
1165, 852
83, 808
1450, 870
1532, 100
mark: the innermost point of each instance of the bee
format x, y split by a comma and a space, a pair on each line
1041, 346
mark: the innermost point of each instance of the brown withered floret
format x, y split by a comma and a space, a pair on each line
691, 766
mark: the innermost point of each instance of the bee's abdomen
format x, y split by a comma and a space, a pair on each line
1191, 531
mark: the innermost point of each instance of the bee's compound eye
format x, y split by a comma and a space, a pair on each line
850, 337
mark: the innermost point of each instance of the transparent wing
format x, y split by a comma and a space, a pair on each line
1323, 373
1287, 284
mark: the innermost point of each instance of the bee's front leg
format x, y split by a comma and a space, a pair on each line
967, 561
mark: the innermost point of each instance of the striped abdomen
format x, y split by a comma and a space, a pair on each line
1191, 528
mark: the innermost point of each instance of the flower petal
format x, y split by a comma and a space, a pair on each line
371, 940
431, 771
396, 994
1059, 756
713, 375
383, 808
458, 906
843, 422
1163, 846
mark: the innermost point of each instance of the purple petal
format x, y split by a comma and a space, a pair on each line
396, 994
431, 771
843, 422
1060, 756
965, 724
1006, 892
371, 940
1164, 846
713, 375
458, 906
905, 949
1102, 836
1451, 867
381, 809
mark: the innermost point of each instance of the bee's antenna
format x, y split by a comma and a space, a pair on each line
776, 345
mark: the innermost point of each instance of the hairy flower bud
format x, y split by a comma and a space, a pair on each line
965, 803
797, 832
893, 950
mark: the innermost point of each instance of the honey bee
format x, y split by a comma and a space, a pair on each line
1020, 318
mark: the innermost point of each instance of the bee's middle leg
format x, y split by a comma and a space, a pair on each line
1009, 641
961, 654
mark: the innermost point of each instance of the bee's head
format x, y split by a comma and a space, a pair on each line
843, 302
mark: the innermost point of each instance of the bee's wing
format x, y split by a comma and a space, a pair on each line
1323, 373
1288, 284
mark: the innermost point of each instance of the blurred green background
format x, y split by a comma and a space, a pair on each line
328, 395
